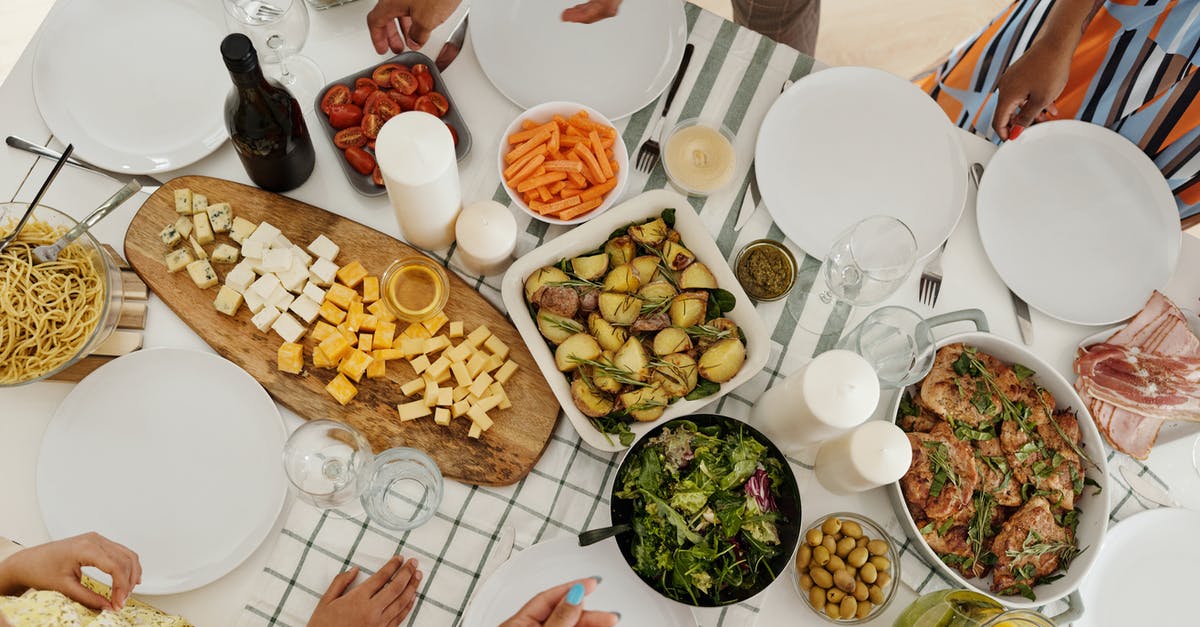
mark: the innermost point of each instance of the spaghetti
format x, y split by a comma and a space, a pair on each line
48, 311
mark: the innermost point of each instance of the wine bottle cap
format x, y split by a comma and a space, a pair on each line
239, 53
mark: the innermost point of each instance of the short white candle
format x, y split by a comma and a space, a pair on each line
875, 454
836, 391
487, 236
419, 167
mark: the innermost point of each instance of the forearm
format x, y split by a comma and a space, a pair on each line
1066, 22
10, 584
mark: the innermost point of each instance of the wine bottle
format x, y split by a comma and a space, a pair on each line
265, 122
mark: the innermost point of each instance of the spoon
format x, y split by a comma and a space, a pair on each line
37, 198
593, 536
50, 252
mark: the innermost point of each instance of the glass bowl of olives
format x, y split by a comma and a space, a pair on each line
846, 568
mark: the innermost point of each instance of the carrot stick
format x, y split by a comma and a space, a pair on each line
511, 170
528, 124
599, 150
558, 206
599, 190
527, 134
538, 181
564, 166
613, 163
569, 140
557, 187
526, 171
605, 141
544, 193
541, 137
554, 137
574, 212
568, 192
589, 160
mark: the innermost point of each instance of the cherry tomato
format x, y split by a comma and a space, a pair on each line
360, 160
424, 105
385, 108
365, 83
352, 137
406, 101
424, 78
453, 133
433, 103
369, 105
371, 145
338, 94
371, 123
363, 88
377, 177
382, 74
345, 115
404, 81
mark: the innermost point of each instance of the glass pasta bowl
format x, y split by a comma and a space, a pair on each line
54, 314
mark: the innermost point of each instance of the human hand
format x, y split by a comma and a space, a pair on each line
1032, 83
591, 11
383, 600
58, 566
417, 18
562, 606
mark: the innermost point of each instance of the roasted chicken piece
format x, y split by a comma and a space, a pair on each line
925, 420
939, 454
1042, 458
1029, 546
996, 474
948, 393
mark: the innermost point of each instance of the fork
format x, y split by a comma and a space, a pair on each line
264, 11
931, 278
649, 153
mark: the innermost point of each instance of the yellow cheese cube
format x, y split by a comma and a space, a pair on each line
369, 323
385, 334
506, 371
386, 354
331, 312
479, 335
355, 365
354, 321
321, 360
460, 408
456, 329
480, 417
444, 377
446, 397
335, 347
488, 403
370, 288
291, 358
380, 309
340, 295
498, 388
436, 344
364, 342
493, 362
341, 389
352, 274
413, 410
415, 330
441, 416
480, 386
476, 363
498, 347
475, 431
462, 352
461, 375
377, 369
439, 367
350, 336
434, 323
413, 387
431, 393
411, 347
322, 330
419, 363
356, 307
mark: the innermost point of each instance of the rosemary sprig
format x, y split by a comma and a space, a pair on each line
576, 282
621, 375
1036, 546
980, 527
566, 324
939, 464
1054, 422
651, 307
710, 332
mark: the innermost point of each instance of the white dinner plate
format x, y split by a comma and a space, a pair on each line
173, 453
137, 86
1145, 572
558, 561
847, 143
616, 66
1078, 222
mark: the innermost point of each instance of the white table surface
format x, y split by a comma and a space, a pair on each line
339, 43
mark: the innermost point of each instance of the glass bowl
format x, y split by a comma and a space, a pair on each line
110, 276
790, 268
421, 267
870, 530
671, 162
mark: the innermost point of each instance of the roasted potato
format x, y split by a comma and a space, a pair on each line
722, 361
671, 340
591, 267
602, 380
623, 278
632, 358
541, 277
557, 328
620, 250
688, 309
676, 256
590, 402
620, 309
645, 404
697, 277
722, 328
657, 293
677, 376
650, 234
647, 267
579, 346
611, 338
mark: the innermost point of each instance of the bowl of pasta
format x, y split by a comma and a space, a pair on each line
52, 314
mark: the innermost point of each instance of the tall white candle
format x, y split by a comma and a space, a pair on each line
487, 236
417, 160
875, 454
836, 391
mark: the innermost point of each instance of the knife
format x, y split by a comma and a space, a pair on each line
499, 553
1024, 323
749, 202
453, 45
149, 183
1144, 488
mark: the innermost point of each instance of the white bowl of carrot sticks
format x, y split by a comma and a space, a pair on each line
563, 163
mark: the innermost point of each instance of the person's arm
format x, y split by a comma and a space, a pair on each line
562, 606
383, 600
417, 20
58, 565
591, 11
1032, 83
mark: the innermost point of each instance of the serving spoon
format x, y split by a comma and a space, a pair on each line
593, 536
49, 252
37, 198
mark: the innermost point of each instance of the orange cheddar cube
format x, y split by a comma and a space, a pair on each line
291, 358
340, 295
370, 289
352, 274
355, 365
335, 347
364, 342
323, 330
331, 312
369, 323
321, 360
377, 369
435, 323
385, 334
341, 389
381, 310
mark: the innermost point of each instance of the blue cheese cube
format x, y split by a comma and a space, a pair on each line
197, 249
199, 203
278, 260
324, 248
314, 291
184, 226
288, 328
220, 216
240, 278
241, 229
305, 307
183, 202
204, 231
265, 318
224, 253
323, 272
170, 236
254, 302
202, 273
228, 301
265, 286
178, 260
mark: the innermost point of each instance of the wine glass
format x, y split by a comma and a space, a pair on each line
278, 29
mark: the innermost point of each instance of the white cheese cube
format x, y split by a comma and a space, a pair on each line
265, 233
255, 264
220, 216
170, 236
199, 203
197, 249
304, 258
294, 278
253, 248
324, 248
277, 261
183, 202
314, 291
241, 229
323, 272
204, 232
254, 302
228, 301
202, 273
288, 328
265, 318
224, 253
184, 226
281, 299
305, 307
240, 278
266, 285
281, 242
178, 260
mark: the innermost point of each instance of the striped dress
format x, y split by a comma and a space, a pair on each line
1133, 72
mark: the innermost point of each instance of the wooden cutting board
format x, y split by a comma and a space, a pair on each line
503, 455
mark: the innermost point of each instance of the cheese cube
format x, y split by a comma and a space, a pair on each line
335, 346
354, 321
254, 302
460, 408
340, 295
475, 431
480, 417
506, 371
281, 242
178, 259
322, 272
413, 410
441, 416
240, 278
254, 263
197, 249
220, 216
488, 403
202, 273
228, 301
419, 364
253, 248
377, 308
434, 323
300, 256
290, 358
385, 334
431, 393
415, 330
377, 369
322, 331
355, 364
330, 312
437, 368
306, 308
321, 360
265, 286
476, 363
224, 253
170, 236
324, 248
370, 289
313, 291
277, 261
183, 201
411, 348
356, 306
460, 353
265, 318
204, 231
480, 386
184, 226
493, 363
497, 389
461, 374
294, 278
241, 229
341, 389
351, 274
364, 342
413, 387
369, 323
456, 329
265, 233
443, 378
387, 354
479, 335
199, 203
288, 327
445, 397
281, 299
460, 394
498, 347
437, 344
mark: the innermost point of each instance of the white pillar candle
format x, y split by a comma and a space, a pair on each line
487, 236
416, 157
836, 391
875, 454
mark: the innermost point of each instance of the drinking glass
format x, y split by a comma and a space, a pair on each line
278, 29
897, 342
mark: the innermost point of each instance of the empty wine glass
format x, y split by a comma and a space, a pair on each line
278, 29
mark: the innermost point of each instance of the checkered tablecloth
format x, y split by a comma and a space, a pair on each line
734, 78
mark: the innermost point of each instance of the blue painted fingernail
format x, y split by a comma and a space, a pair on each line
575, 596
597, 578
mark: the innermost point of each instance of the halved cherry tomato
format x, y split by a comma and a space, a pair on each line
423, 104
377, 177
404, 81
360, 160
406, 101
364, 82
433, 103
371, 123
363, 88
352, 137
371, 145
453, 133
345, 115
382, 74
338, 94
369, 105
424, 78
385, 108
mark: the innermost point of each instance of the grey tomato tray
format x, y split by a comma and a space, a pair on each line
362, 183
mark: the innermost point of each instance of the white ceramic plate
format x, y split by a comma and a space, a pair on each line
558, 561
1078, 222
1144, 574
173, 453
846, 143
137, 85
592, 235
617, 65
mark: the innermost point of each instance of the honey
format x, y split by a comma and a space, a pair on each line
415, 289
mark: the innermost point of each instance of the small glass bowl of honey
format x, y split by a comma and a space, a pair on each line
415, 289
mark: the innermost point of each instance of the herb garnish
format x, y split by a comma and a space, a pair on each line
940, 466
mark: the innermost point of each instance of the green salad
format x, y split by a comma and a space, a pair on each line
705, 519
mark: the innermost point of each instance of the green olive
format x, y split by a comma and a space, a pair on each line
820, 556
877, 547
883, 579
868, 573
803, 556
833, 595
844, 546
843, 580
830, 544
857, 557
821, 577
806, 582
835, 564
881, 563
833, 610
852, 570
831, 525
849, 607
816, 598
852, 529
813, 537
863, 541
875, 594
864, 609
860, 591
